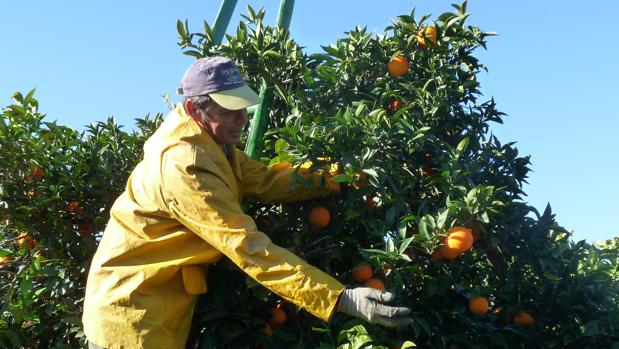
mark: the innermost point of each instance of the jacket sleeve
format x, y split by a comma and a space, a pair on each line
198, 198
283, 182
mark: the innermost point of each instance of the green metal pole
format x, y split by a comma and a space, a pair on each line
260, 121
285, 13
222, 19
259, 124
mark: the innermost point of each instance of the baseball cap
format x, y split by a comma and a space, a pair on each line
219, 78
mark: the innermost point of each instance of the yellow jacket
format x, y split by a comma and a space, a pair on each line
180, 212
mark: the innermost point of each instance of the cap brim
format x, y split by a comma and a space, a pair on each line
236, 98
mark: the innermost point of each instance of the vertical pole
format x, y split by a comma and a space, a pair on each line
285, 13
259, 123
223, 18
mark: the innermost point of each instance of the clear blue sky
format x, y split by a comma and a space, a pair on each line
553, 69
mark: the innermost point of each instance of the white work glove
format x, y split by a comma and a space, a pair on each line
366, 303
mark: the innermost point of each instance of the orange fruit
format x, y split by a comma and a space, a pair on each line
398, 66
319, 216
427, 170
4, 260
394, 105
429, 33
497, 310
437, 255
37, 172
360, 180
281, 165
369, 202
457, 241
74, 207
478, 305
362, 272
23, 239
523, 318
278, 316
375, 283
267, 330
85, 229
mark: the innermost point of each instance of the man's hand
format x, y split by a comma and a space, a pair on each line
367, 304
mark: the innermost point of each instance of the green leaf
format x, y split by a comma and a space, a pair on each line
342, 178
423, 229
281, 145
423, 323
462, 145
390, 246
402, 229
408, 344
360, 109
271, 53
181, 29
404, 245
442, 218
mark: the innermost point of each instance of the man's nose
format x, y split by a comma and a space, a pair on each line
242, 117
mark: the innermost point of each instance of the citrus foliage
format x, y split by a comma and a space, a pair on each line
417, 160
404, 109
56, 189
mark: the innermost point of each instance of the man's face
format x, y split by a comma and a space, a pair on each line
225, 125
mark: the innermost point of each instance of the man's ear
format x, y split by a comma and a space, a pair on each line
189, 107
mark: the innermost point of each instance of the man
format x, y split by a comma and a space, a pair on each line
181, 211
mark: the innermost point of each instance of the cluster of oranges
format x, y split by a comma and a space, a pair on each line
363, 273
399, 65
479, 306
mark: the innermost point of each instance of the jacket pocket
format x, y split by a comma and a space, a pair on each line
194, 279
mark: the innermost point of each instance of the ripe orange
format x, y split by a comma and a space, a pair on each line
437, 255
398, 66
362, 272
85, 229
458, 240
319, 216
278, 316
360, 180
281, 165
369, 202
375, 283
430, 34
427, 170
23, 239
523, 318
74, 207
37, 172
394, 105
478, 305
4, 259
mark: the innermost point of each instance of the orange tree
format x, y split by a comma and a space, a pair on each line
56, 188
417, 161
402, 111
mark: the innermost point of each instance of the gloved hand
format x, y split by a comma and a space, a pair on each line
366, 303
